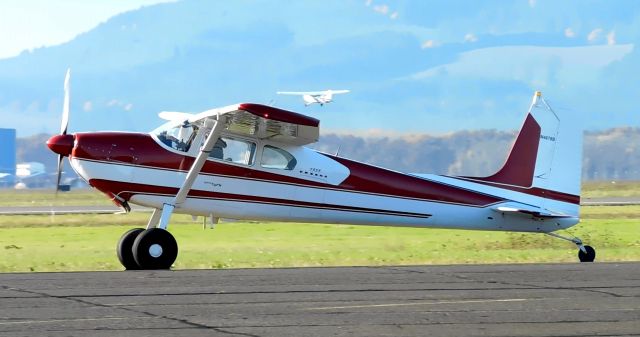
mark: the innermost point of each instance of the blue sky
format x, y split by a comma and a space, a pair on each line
28, 24
412, 66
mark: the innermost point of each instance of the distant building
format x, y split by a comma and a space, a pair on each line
7, 157
30, 170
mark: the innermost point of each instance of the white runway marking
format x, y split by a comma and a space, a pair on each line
419, 303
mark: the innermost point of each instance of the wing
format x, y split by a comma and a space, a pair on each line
312, 93
339, 91
301, 93
265, 122
527, 210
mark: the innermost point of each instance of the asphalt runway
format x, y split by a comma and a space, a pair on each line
466, 300
610, 201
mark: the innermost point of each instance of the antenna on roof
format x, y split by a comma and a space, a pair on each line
338, 150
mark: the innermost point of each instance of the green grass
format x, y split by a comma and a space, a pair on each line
38, 243
138, 219
610, 212
47, 197
606, 189
87, 242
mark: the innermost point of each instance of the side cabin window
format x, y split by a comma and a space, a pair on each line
233, 150
177, 137
277, 158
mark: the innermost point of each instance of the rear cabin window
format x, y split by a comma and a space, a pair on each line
233, 150
277, 158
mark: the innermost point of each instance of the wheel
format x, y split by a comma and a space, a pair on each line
124, 249
155, 248
589, 256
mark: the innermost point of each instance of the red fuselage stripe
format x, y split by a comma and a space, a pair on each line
535, 191
127, 190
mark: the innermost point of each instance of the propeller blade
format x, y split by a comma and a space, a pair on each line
65, 105
60, 164
54, 142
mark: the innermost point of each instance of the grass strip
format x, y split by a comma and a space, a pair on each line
242, 244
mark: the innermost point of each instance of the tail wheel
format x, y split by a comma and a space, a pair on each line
124, 249
588, 255
155, 248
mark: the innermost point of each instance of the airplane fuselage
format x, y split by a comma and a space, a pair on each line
141, 169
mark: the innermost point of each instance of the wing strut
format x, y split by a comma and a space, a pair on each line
161, 217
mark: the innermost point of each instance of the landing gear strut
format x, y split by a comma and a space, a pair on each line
585, 253
155, 247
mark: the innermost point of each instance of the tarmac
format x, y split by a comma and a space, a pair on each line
589, 299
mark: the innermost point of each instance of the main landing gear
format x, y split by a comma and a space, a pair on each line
585, 253
153, 248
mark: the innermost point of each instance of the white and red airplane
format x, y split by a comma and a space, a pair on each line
248, 161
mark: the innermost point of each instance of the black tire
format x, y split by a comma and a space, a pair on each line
158, 241
589, 256
125, 249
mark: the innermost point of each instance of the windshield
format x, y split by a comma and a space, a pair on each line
178, 137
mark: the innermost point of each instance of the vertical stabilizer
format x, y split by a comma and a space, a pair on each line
546, 157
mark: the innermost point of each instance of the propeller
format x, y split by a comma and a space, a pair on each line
64, 125
65, 105
62, 144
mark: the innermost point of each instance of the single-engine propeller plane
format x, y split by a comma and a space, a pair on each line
311, 97
249, 161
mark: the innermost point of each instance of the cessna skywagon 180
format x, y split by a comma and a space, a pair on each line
311, 97
249, 161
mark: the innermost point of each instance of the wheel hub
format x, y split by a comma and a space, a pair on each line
155, 250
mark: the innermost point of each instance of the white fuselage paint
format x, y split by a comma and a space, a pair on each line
273, 200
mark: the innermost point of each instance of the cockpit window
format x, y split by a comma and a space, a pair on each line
277, 158
177, 137
234, 150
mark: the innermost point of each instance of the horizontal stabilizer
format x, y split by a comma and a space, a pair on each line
527, 210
